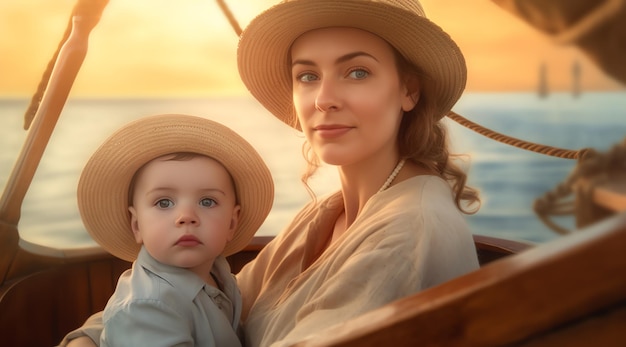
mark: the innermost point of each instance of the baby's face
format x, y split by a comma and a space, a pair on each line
184, 211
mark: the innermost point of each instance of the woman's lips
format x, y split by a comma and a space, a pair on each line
188, 241
331, 131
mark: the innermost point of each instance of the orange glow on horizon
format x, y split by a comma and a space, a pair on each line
160, 47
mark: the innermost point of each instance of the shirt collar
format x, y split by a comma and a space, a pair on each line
188, 283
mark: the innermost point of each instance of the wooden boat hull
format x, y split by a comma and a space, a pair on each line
40, 307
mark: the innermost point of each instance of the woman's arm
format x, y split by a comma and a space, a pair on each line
82, 341
368, 280
88, 335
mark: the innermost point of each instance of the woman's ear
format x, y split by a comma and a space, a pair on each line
412, 94
134, 225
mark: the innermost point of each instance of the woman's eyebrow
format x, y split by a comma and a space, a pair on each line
353, 55
341, 59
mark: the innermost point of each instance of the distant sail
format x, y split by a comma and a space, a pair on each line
543, 81
576, 71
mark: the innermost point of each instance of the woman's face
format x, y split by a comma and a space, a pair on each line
347, 94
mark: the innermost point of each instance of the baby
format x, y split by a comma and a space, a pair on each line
174, 194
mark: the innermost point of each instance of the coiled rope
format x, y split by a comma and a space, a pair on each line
593, 166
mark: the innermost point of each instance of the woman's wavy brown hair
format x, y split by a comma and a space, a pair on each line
423, 138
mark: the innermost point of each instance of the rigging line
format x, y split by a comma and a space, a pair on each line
529, 146
229, 15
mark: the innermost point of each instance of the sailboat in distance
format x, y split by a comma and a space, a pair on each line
542, 87
576, 71
543, 81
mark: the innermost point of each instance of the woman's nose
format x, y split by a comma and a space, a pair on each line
327, 98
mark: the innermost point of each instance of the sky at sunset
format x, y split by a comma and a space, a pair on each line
187, 47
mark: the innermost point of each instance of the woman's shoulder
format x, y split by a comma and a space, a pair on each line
433, 183
421, 192
422, 203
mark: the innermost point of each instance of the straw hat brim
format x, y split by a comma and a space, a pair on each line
263, 51
104, 183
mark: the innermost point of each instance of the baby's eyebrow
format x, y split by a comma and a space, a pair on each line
160, 189
170, 189
213, 190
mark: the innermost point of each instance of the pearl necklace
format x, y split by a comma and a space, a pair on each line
393, 175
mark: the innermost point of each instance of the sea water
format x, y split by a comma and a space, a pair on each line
509, 179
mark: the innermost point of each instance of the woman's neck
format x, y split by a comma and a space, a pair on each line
358, 186
359, 182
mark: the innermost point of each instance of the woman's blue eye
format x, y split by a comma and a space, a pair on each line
359, 74
307, 77
165, 203
207, 202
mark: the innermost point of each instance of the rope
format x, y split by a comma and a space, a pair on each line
229, 15
534, 147
529, 146
557, 202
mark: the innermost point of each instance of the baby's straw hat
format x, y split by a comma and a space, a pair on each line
263, 53
103, 187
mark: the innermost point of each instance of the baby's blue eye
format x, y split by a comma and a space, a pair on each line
359, 74
165, 203
207, 202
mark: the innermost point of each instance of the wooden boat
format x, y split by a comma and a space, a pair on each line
567, 292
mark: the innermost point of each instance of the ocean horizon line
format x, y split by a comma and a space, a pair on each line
140, 97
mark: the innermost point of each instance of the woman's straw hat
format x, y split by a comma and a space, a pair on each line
263, 53
103, 187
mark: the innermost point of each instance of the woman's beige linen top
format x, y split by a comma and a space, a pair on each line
407, 238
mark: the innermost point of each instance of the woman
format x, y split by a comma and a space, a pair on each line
368, 83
